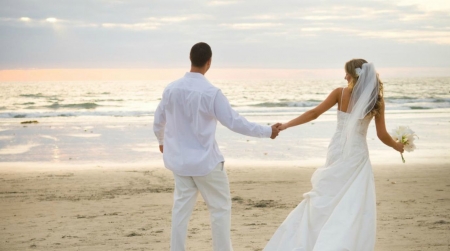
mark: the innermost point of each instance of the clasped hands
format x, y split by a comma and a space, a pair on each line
276, 129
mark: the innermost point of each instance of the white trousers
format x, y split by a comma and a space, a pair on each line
215, 190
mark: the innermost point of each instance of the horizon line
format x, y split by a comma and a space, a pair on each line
145, 74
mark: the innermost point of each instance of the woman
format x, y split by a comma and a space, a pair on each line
339, 213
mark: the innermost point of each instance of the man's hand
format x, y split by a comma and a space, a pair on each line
161, 148
275, 130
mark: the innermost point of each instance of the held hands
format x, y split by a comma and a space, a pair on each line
275, 130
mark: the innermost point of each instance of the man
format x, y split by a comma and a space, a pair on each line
185, 125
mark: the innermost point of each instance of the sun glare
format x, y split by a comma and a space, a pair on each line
25, 19
51, 20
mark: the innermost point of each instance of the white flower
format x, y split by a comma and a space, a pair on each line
406, 136
358, 71
409, 147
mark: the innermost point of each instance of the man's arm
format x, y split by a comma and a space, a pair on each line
233, 121
159, 124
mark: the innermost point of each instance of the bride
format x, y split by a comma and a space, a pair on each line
339, 213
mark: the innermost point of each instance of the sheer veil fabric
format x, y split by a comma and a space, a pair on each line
339, 213
363, 98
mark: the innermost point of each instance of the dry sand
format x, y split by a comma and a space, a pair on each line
126, 208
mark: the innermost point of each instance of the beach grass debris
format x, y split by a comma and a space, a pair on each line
132, 234
237, 199
264, 203
29, 122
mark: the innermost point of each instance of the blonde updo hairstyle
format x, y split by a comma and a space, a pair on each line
350, 67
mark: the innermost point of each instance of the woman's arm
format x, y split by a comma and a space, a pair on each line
382, 134
312, 114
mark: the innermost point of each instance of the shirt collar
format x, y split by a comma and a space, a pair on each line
194, 75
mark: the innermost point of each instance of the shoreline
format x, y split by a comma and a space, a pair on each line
77, 141
129, 207
275, 111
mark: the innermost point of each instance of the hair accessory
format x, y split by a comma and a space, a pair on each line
358, 71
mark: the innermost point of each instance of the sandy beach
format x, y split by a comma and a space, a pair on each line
57, 191
129, 208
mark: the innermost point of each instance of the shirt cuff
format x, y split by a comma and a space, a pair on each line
267, 131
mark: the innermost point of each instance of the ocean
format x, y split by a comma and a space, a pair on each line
111, 122
137, 99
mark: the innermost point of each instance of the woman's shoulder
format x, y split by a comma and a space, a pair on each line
341, 91
338, 90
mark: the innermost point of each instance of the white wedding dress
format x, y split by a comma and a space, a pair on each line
339, 213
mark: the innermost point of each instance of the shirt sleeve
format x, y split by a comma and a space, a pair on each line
159, 123
235, 122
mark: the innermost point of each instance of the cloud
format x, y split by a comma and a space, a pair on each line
221, 3
251, 26
427, 5
259, 33
411, 36
135, 26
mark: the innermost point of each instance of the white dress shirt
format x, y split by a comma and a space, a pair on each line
185, 123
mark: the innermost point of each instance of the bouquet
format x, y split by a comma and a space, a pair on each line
406, 136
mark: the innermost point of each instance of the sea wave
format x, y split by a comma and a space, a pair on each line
411, 100
94, 93
76, 114
245, 111
28, 103
56, 106
308, 103
441, 100
108, 100
401, 100
399, 97
40, 95
37, 95
419, 108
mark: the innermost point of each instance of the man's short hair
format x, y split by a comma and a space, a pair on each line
200, 54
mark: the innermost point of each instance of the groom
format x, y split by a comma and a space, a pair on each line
185, 125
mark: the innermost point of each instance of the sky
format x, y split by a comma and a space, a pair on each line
252, 34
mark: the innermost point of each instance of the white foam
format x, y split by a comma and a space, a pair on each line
17, 149
87, 135
49, 137
117, 126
